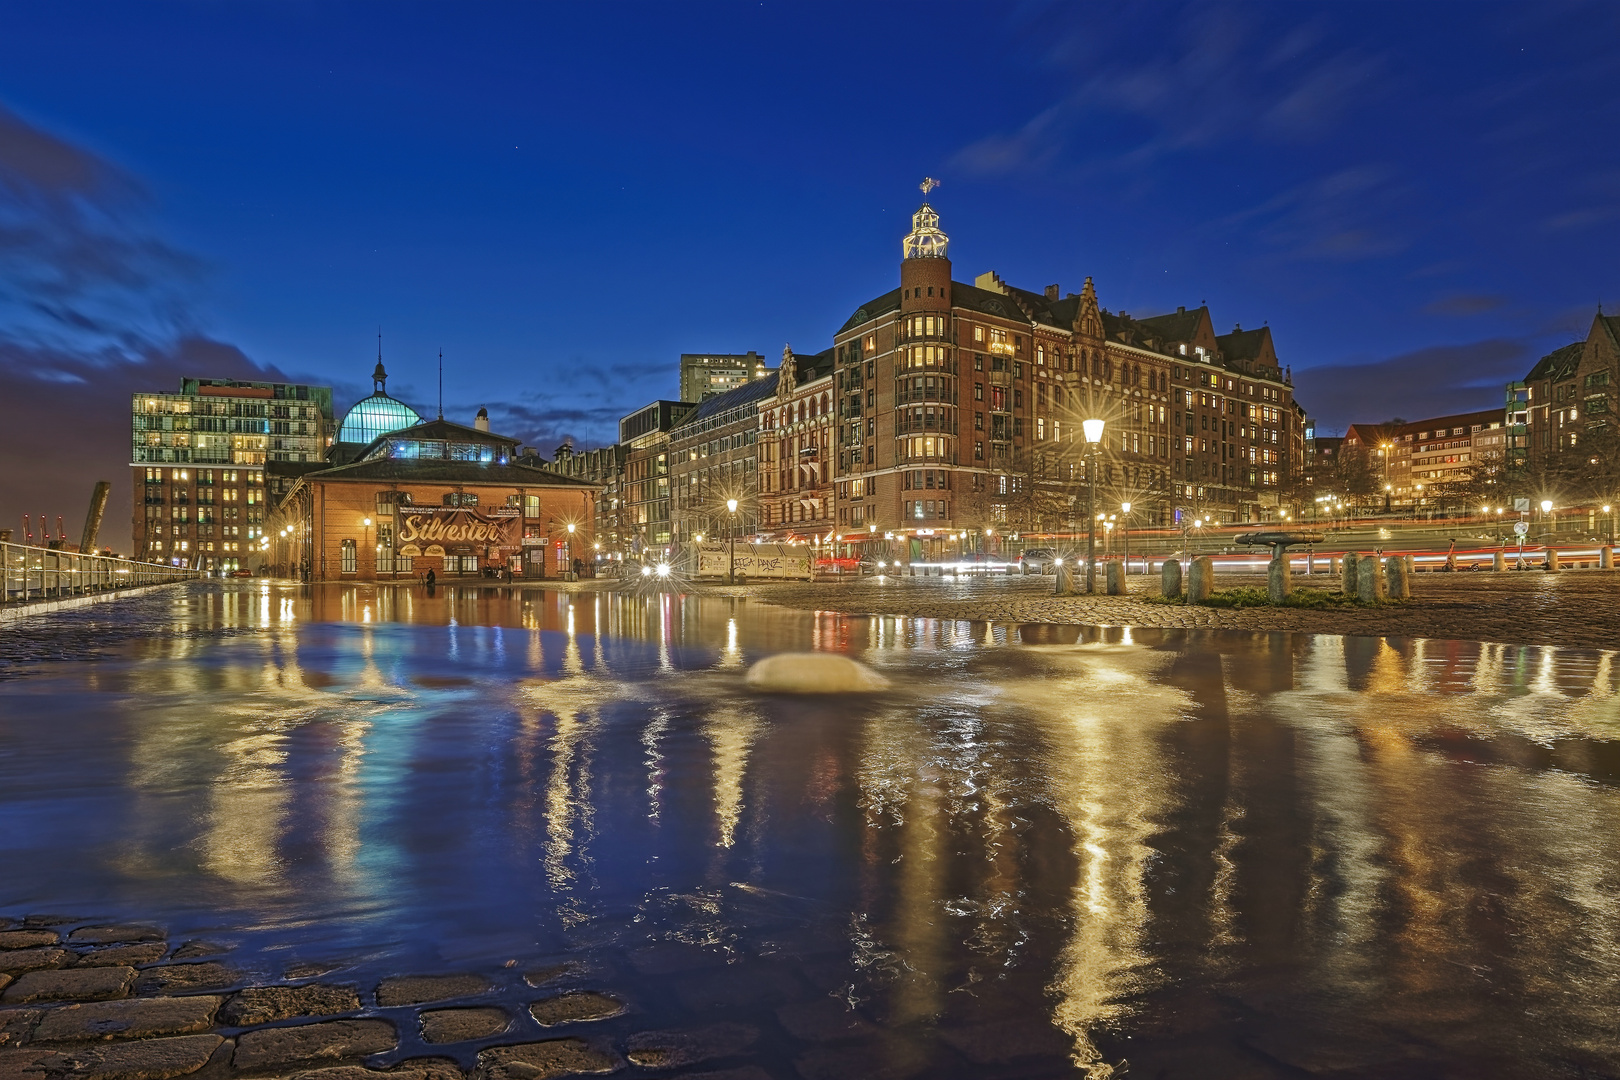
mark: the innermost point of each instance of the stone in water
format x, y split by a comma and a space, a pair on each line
813, 673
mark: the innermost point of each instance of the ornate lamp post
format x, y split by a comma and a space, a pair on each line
1546, 515
731, 538
366, 526
1125, 532
1094, 432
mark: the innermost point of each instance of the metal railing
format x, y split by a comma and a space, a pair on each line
34, 573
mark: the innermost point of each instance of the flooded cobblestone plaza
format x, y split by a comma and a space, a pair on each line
1045, 851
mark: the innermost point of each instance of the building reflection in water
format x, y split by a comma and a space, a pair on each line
1118, 834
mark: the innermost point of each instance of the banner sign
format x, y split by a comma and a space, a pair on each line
774, 561
460, 526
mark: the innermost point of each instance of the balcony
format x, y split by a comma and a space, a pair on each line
925, 427
1000, 378
946, 397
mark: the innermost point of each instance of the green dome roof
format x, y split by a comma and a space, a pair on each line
376, 415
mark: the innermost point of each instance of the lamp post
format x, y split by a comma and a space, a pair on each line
1546, 514
1610, 512
731, 545
568, 551
1125, 532
366, 534
1093, 429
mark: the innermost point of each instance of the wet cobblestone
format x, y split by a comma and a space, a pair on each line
1579, 608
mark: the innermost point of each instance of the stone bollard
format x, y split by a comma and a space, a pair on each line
1333, 566
1398, 577
1279, 577
1605, 557
1201, 580
1170, 579
1114, 575
1552, 561
1411, 565
1499, 561
1062, 581
1310, 564
1370, 585
1348, 581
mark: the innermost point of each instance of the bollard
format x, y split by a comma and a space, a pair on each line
1605, 557
1333, 566
1170, 579
1348, 582
1411, 565
1499, 561
1398, 578
1279, 577
1552, 561
913, 568
1370, 586
1063, 581
1114, 574
1201, 580
1310, 564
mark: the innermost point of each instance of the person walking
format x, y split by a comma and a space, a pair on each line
430, 578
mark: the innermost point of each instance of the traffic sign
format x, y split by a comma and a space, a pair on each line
1521, 527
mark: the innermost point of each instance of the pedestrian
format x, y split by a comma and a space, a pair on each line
430, 578
579, 568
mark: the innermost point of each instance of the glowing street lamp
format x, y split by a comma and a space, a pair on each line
365, 524
731, 556
1125, 532
1093, 429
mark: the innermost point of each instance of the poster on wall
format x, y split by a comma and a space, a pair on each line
779, 562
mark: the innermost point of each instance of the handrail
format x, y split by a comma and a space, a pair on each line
29, 573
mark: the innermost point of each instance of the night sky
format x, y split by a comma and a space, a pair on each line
1419, 199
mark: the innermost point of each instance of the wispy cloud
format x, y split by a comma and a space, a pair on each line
1435, 381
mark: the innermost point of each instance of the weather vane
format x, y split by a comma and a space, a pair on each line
928, 184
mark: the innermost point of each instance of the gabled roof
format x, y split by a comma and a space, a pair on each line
1180, 325
813, 366
1462, 420
1248, 346
1558, 364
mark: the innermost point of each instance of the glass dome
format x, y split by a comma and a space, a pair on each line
376, 415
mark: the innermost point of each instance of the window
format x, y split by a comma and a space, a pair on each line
349, 557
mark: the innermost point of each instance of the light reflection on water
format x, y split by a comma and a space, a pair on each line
1212, 853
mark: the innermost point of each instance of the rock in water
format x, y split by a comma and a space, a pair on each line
813, 673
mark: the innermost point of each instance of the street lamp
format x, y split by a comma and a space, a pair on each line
568, 552
731, 555
1610, 512
1093, 429
1546, 511
1125, 532
366, 524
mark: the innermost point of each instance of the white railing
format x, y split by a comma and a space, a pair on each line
33, 573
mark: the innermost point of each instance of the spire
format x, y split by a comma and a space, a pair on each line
379, 375
441, 384
925, 240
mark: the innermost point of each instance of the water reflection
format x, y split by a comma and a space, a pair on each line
1048, 848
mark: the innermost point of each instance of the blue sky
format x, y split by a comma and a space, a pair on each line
1419, 199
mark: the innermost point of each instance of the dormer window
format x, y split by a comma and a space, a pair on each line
1184, 350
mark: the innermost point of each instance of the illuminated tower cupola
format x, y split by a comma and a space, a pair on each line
925, 272
925, 241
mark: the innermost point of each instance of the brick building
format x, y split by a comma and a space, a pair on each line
796, 449
1569, 391
714, 457
439, 496
959, 407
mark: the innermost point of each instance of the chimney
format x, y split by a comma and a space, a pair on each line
1052, 292
482, 423
1181, 310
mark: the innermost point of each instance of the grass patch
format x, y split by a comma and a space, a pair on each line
1253, 596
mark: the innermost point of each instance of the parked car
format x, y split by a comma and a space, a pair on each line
1038, 561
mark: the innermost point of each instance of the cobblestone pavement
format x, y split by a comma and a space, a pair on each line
121, 1003
1578, 608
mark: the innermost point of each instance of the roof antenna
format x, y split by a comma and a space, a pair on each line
441, 384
